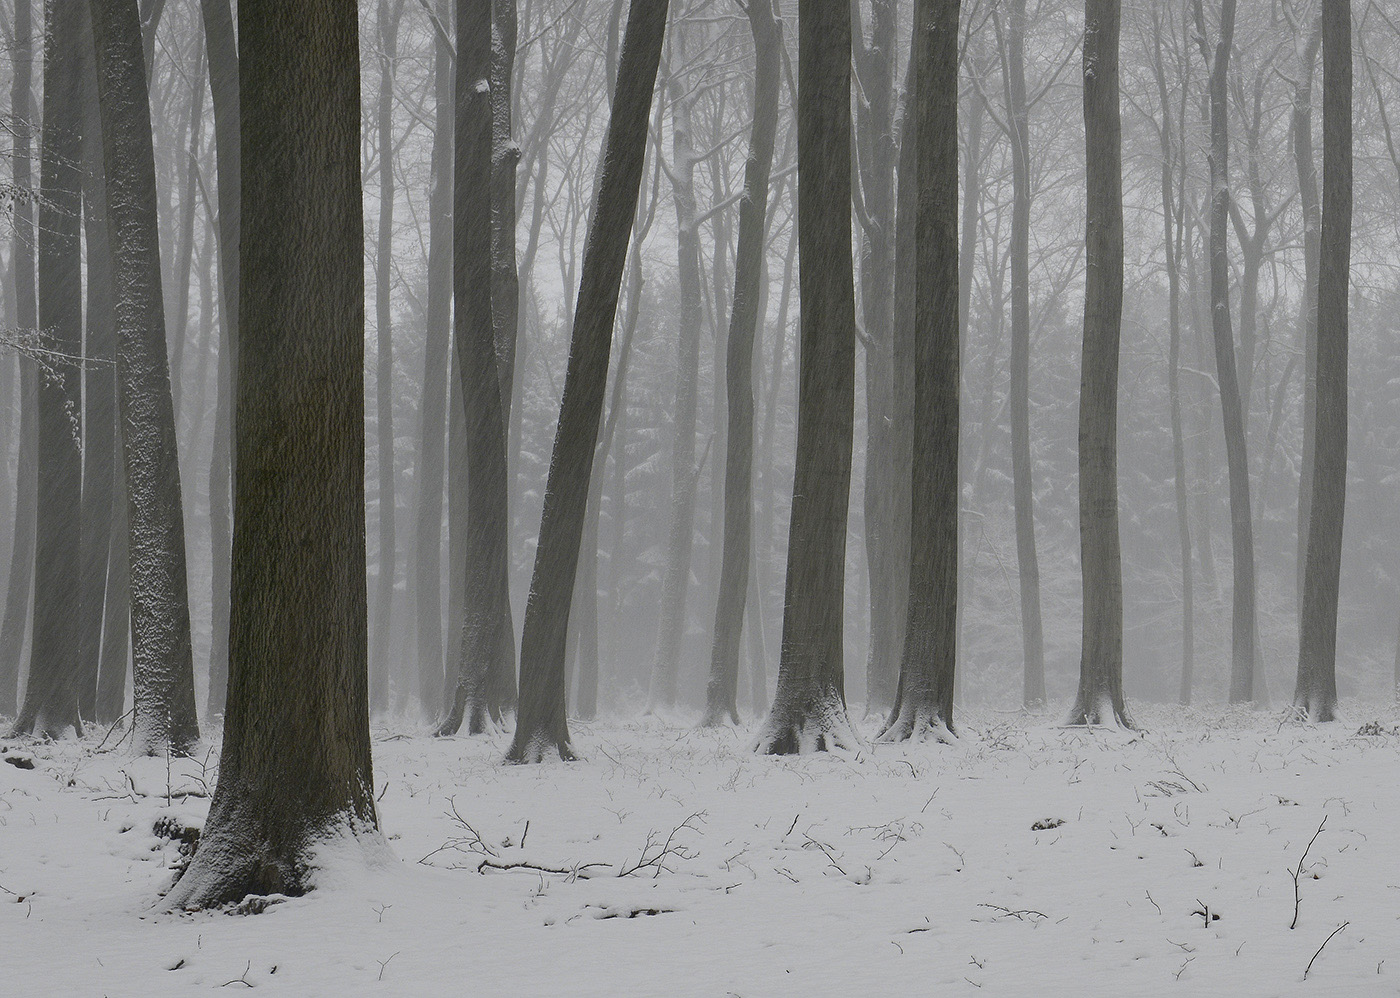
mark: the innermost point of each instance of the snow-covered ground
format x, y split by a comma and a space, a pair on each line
1026, 860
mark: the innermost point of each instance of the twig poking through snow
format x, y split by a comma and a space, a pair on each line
1323, 946
1298, 873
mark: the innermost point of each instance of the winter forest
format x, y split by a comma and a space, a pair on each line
715, 497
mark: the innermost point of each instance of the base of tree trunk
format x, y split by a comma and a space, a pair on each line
720, 717
536, 748
1314, 708
917, 723
1098, 712
800, 725
239, 863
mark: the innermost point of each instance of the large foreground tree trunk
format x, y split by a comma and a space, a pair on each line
542, 726
51, 698
723, 691
163, 661
924, 703
809, 707
1316, 694
295, 770
1100, 696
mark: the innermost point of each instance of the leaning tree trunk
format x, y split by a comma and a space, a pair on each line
51, 697
809, 708
723, 691
924, 702
542, 726
486, 649
295, 771
1100, 696
162, 657
1316, 694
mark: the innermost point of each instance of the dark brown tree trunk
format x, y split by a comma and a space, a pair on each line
433, 418
51, 698
924, 702
487, 646
809, 708
1032, 641
723, 691
1100, 696
162, 656
542, 727
1242, 686
1316, 694
295, 769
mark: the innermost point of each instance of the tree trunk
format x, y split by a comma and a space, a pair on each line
924, 702
51, 698
116, 622
487, 645
1100, 696
1316, 694
184, 246
433, 416
809, 708
542, 726
388, 22
1032, 641
295, 770
162, 656
1312, 247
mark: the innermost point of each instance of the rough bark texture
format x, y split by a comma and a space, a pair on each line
542, 726
1100, 696
924, 702
809, 708
1316, 694
723, 691
486, 634
51, 698
162, 659
295, 775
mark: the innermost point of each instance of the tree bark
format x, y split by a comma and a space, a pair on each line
1100, 696
162, 656
1311, 204
809, 708
924, 702
542, 726
1315, 696
295, 769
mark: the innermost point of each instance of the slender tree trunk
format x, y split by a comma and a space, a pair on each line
1032, 641
162, 654
295, 770
487, 622
1316, 694
542, 726
184, 246
433, 418
51, 698
116, 623
809, 708
1311, 204
924, 703
1100, 696
389, 12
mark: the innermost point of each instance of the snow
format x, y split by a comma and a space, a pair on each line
906, 868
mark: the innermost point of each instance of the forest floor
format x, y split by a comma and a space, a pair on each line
1027, 859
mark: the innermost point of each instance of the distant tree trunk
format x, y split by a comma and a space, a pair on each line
51, 697
389, 12
457, 520
116, 623
162, 654
1100, 697
670, 629
875, 136
542, 726
1236, 459
433, 415
1312, 247
99, 389
222, 47
486, 647
184, 245
809, 708
1032, 641
723, 690
19, 587
1316, 694
924, 703
295, 770
1173, 239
